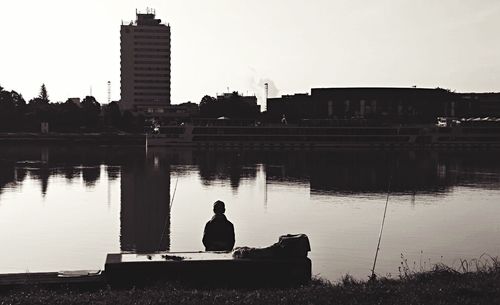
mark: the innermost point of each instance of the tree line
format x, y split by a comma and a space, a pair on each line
17, 115
233, 106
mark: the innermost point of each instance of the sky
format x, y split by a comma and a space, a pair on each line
73, 46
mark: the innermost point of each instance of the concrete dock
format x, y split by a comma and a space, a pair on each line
82, 277
213, 268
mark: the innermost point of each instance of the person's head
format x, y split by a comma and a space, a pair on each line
219, 207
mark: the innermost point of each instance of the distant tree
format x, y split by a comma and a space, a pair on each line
112, 115
35, 101
12, 108
91, 111
206, 100
38, 111
133, 123
18, 100
232, 106
128, 120
12, 98
43, 96
7, 105
89, 103
6, 98
208, 106
69, 116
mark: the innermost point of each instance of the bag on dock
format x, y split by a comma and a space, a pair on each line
288, 246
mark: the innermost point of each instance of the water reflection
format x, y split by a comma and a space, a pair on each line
325, 172
225, 166
361, 173
354, 172
145, 204
90, 175
305, 188
7, 174
144, 181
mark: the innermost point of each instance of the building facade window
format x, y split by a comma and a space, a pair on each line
161, 94
151, 37
150, 81
151, 50
151, 62
152, 43
157, 88
151, 69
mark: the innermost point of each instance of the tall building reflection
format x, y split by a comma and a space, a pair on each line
145, 204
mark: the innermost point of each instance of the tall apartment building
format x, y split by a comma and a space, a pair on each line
145, 65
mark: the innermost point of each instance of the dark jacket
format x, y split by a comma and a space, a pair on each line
218, 234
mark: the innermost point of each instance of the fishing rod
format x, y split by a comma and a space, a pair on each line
373, 276
170, 209
173, 195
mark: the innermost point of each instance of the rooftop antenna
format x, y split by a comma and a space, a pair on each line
109, 91
90, 90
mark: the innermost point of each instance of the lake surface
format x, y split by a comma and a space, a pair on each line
66, 208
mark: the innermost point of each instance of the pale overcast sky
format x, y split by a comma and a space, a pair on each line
71, 45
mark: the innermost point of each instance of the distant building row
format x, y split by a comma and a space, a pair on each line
145, 89
412, 105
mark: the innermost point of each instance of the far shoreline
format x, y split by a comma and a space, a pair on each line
68, 138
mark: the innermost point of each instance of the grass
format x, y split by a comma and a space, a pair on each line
473, 282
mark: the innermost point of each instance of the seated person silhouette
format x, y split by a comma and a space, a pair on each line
219, 232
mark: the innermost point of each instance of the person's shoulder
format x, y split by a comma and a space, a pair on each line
209, 223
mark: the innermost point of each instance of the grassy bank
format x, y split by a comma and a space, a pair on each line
442, 285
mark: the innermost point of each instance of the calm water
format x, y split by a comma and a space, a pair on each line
65, 208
